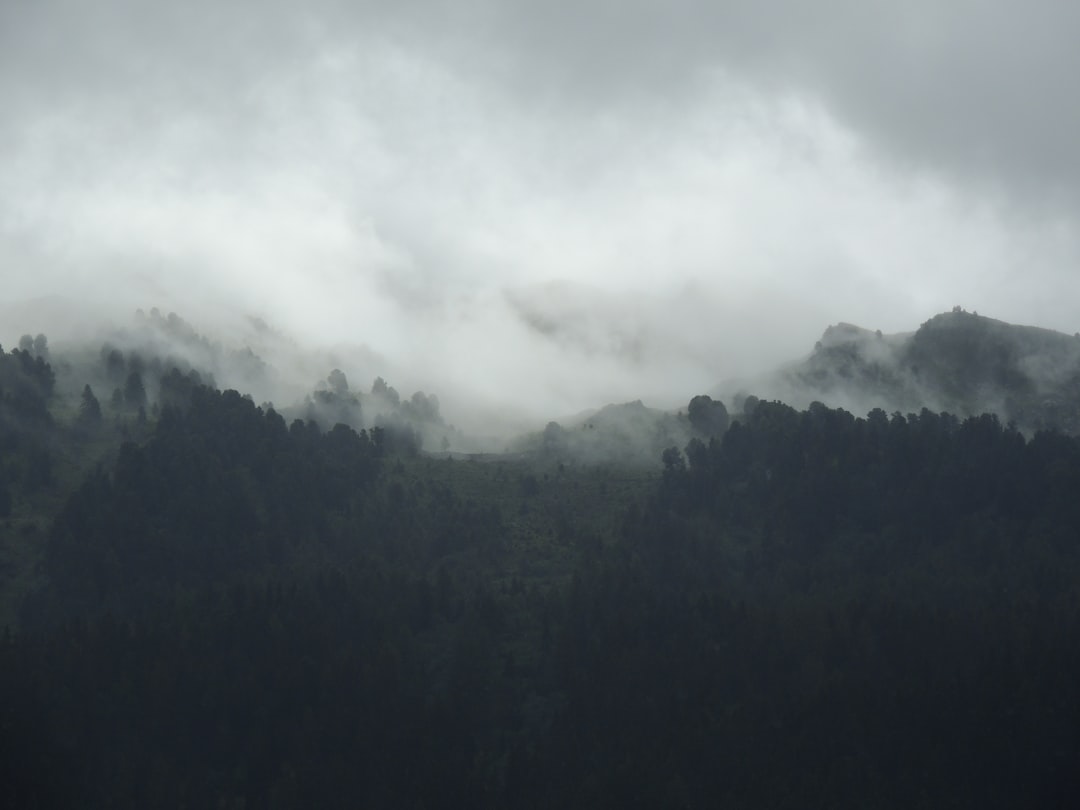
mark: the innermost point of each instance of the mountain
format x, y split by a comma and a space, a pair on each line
958, 361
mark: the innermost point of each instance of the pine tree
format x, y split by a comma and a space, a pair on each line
134, 391
89, 410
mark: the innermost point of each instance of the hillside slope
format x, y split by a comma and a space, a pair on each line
960, 362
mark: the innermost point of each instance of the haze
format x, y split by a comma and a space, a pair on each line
538, 208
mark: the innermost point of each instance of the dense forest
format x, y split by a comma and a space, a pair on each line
211, 603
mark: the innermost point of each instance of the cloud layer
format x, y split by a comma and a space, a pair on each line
542, 207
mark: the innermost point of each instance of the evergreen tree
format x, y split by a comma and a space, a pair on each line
89, 410
134, 391
708, 416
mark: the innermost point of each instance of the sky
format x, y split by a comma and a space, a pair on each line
540, 207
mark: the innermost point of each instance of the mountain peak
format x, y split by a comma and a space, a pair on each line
957, 361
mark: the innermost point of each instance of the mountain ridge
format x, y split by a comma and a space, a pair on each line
960, 362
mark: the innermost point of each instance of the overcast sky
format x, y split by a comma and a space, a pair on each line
560, 203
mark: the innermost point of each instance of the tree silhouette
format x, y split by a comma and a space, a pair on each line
89, 410
708, 416
134, 391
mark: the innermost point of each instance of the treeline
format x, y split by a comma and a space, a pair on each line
820, 610
963, 362
877, 503
27, 382
222, 489
808, 609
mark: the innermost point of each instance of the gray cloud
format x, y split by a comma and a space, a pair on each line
974, 89
978, 85
542, 206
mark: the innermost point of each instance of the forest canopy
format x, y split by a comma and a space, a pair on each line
208, 603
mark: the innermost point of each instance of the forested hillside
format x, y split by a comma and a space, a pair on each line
210, 605
961, 362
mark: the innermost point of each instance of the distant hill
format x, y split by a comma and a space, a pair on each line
958, 361
628, 433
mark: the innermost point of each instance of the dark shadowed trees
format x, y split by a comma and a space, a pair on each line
89, 418
708, 417
339, 384
134, 391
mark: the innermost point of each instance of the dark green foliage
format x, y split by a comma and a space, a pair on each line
335, 406
90, 417
26, 388
709, 417
804, 478
804, 609
342, 690
134, 391
114, 364
220, 490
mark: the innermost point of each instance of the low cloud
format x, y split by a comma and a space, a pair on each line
533, 210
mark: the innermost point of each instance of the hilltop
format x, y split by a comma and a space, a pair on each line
960, 362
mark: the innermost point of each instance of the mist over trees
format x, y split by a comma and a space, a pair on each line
958, 361
708, 417
494, 455
90, 416
214, 602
